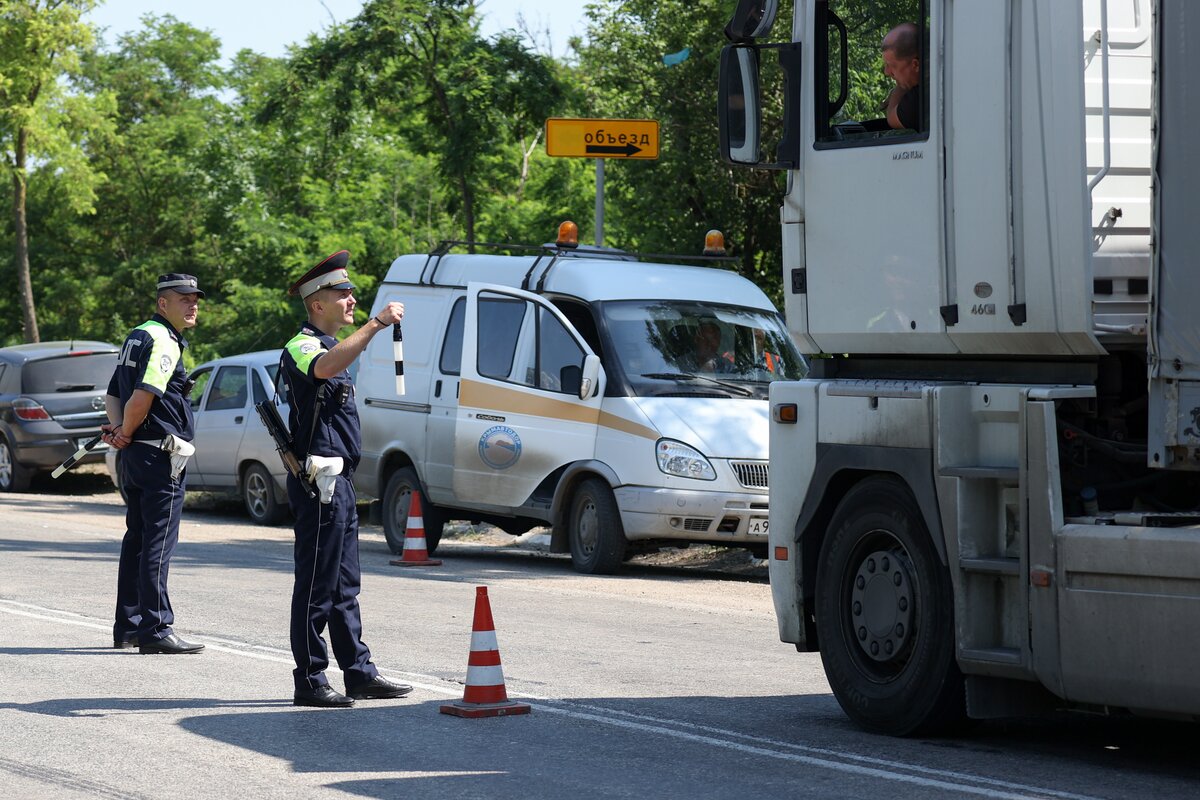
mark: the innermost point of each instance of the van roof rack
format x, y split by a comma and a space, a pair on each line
434, 257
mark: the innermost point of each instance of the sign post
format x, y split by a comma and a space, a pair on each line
600, 139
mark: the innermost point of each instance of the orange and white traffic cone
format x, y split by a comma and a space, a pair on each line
484, 695
416, 552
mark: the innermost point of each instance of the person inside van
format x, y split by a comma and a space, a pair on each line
707, 342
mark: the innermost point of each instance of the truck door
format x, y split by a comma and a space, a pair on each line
520, 415
887, 181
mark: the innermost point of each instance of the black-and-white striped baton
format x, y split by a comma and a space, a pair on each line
84, 449
398, 354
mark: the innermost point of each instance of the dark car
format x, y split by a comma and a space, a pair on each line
51, 402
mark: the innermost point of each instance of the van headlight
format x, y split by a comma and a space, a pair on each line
684, 461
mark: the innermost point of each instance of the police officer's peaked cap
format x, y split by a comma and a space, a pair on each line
178, 282
329, 274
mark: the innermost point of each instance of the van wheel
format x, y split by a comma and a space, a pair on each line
596, 534
258, 493
13, 476
885, 615
396, 498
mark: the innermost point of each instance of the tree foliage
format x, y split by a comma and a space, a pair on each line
399, 129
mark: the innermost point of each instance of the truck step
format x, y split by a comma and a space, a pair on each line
991, 566
992, 655
981, 473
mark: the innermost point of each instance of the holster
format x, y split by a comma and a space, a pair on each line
180, 452
323, 471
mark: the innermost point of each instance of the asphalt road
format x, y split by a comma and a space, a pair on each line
659, 683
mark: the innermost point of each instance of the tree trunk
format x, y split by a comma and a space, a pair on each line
21, 229
468, 199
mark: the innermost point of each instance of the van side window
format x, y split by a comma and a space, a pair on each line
499, 328
451, 361
559, 356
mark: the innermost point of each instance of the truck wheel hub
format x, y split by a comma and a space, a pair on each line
881, 605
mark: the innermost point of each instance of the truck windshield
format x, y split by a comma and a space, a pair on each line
685, 348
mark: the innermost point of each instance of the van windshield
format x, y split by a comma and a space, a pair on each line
686, 348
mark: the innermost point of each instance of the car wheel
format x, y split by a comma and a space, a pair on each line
258, 493
885, 615
396, 499
595, 531
13, 476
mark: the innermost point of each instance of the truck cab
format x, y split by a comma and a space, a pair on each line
621, 403
985, 496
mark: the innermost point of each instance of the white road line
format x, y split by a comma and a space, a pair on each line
838, 761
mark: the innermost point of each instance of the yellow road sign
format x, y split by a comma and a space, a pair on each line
602, 138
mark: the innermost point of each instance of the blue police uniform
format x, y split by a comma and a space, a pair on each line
326, 552
151, 359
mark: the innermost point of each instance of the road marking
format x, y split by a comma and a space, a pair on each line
835, 760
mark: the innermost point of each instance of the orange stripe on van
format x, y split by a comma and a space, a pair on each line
497, 398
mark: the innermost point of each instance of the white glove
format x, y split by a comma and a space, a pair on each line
323, 471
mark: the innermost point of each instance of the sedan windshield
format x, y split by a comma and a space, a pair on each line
684, 348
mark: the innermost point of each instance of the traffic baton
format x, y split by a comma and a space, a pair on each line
83, 450
398, 354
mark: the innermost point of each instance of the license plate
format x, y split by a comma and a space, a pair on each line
99, 445
758, 526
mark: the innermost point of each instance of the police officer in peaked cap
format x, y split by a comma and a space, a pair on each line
150, 422
325, 427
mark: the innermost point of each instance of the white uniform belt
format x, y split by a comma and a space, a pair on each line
157, 444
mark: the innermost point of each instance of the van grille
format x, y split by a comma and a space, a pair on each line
696, 524
752, 474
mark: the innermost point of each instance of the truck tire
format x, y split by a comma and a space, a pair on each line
594, 529
258, 493
13, 476
396, 498
885, 615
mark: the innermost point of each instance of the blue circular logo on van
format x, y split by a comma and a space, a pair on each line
499, 447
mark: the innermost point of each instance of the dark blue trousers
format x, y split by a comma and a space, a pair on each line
153, 507
326, 588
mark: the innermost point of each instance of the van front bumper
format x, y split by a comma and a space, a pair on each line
718, 517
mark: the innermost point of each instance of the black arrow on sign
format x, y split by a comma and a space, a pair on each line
614, 150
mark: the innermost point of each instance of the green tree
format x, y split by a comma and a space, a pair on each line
667, 205
42, 122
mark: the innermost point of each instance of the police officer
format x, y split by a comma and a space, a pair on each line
150, 421
324, 424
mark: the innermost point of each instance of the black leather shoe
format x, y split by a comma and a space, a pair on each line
378, 688
321, 697
125, 644
170, 645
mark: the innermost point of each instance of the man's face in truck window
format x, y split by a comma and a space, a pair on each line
906, 72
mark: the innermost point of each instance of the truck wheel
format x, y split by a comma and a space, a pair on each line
258, 493
396, 498
595, 530
885, 615
13, 476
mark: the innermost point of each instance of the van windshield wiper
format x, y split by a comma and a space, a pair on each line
687, 376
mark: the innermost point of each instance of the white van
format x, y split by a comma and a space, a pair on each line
620, 402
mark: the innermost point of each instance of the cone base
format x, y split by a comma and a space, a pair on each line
424, 562
477, 710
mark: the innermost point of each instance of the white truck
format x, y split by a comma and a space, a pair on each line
985, 500
567, 387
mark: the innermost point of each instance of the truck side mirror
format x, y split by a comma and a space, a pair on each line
740, 118
739, 110
570, 379
590, 378
751, 19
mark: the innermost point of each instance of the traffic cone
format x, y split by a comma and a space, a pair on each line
416, 552
484, 695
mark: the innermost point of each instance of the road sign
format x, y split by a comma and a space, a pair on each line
602, 138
